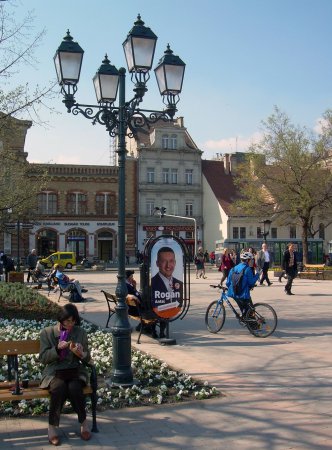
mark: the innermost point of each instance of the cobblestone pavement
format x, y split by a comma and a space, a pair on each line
277, 391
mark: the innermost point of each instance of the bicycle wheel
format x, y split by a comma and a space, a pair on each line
215, 316
262, 320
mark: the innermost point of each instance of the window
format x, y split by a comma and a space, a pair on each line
242, 232
189, 176
164, 141
47, 203
174, 176
189, 209
189, 235
103, 204
259, 232
149, 207
165, 204
169, 142
274, 233
173, 142
76, 203
150, 175
165, 176
321, 231
292, 231
174, 207
235, 233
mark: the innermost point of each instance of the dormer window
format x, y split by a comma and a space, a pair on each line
169, 142
173, 142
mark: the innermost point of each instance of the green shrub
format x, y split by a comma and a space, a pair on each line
19, 301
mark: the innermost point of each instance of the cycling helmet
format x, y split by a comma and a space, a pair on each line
246, 255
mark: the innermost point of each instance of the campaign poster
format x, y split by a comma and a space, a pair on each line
167, 274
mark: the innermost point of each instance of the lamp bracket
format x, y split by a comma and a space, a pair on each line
107, 115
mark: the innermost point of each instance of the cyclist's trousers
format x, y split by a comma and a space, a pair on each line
244, 304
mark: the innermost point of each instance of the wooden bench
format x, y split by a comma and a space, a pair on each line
144, 317
11, 390
313, 269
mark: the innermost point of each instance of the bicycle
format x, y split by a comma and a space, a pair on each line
260, 319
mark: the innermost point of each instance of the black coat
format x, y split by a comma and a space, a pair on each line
286, 259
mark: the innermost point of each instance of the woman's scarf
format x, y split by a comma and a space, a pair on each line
63, 337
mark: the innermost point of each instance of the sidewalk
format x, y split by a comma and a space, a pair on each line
277, 391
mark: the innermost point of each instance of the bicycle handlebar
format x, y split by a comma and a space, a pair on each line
223, 288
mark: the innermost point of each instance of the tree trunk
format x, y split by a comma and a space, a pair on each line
305, 241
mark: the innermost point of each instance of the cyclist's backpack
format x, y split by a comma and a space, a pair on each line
237, 282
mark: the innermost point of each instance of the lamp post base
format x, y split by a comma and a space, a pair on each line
111, 384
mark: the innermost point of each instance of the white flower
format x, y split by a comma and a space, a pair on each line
145, 392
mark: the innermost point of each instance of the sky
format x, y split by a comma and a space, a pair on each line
243, 58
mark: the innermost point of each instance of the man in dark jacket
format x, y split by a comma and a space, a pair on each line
289, 264
31, 262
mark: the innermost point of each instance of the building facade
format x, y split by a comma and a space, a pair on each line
78, 211
225, 227
169, 177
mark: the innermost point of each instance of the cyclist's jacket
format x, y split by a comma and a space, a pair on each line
248, 281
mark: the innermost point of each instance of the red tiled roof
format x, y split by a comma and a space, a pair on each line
222, 184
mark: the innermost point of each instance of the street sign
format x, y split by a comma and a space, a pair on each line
25, 226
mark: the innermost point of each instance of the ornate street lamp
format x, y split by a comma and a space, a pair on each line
169, 74
121, 121
266, 228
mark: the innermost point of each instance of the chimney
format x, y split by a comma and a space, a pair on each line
180, 121
227, 163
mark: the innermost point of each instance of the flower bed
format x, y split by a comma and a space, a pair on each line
18, 301
158, 383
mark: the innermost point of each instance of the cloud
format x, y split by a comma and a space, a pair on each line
232, 144
67, 159
320, 124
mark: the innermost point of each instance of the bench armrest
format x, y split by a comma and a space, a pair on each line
93, 375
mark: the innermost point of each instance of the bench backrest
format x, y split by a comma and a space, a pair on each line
25, 347
314, 266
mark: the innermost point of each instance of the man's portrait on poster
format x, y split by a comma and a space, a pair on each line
167, 276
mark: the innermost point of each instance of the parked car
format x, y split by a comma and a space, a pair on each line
65, 259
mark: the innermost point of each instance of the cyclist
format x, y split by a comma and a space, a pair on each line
242, 297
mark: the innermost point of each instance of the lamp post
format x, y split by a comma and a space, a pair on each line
162, 213
266, 228
121, 121
18, 266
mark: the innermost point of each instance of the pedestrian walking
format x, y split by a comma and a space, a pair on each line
200, 263
289, 264
226, 265
263, 261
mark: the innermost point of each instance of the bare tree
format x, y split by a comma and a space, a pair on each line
288, 177
17, 46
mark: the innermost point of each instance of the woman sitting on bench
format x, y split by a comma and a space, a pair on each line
62, 347
64, 282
